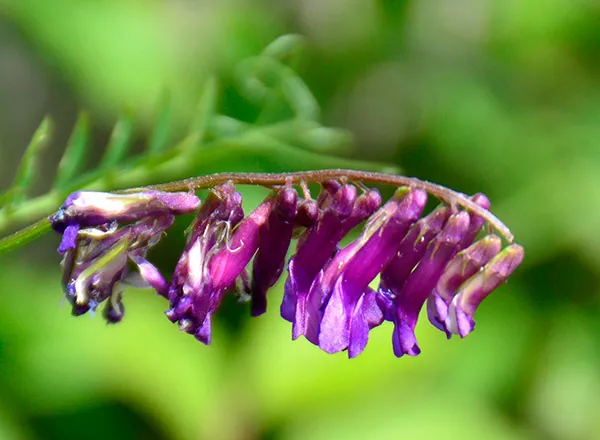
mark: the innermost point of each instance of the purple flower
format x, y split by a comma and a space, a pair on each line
341, 211
343, 285
89, 208
462, 267
421, 281
96, 268
219, 248
274, 241
473, 291
411, 250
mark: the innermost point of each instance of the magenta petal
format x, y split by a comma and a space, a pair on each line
273, 243
334, 335
462, 323
437, 312
151, 275
404, 340
371, 309
359, 330
288, 305
313, 314
204, 332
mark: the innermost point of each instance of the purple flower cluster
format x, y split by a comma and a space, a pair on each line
330, 296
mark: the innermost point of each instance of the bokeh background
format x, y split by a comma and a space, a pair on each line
499, 96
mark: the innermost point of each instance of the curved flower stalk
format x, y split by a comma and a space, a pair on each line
329, 298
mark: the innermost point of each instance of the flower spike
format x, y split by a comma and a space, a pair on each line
328, 296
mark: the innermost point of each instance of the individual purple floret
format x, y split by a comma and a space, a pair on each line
90, 208
215, 256
419, 284
462, 267
188, 295
274, 241
473, 291
346, 278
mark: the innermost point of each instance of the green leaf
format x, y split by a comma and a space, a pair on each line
120, 141
28, 167
71, 163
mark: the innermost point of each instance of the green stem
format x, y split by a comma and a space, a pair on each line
24, 236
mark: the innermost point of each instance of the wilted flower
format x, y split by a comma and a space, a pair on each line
89, 208
97, 248
96, 268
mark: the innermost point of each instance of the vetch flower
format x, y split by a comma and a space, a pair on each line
341, 211
464, 265
346, 278
96, 268
90, 208
189, 290
409, 253
220, 247
421, 281
473, 291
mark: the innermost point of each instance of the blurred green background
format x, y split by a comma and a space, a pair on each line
498, 96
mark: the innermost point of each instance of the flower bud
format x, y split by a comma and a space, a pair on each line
274, 241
